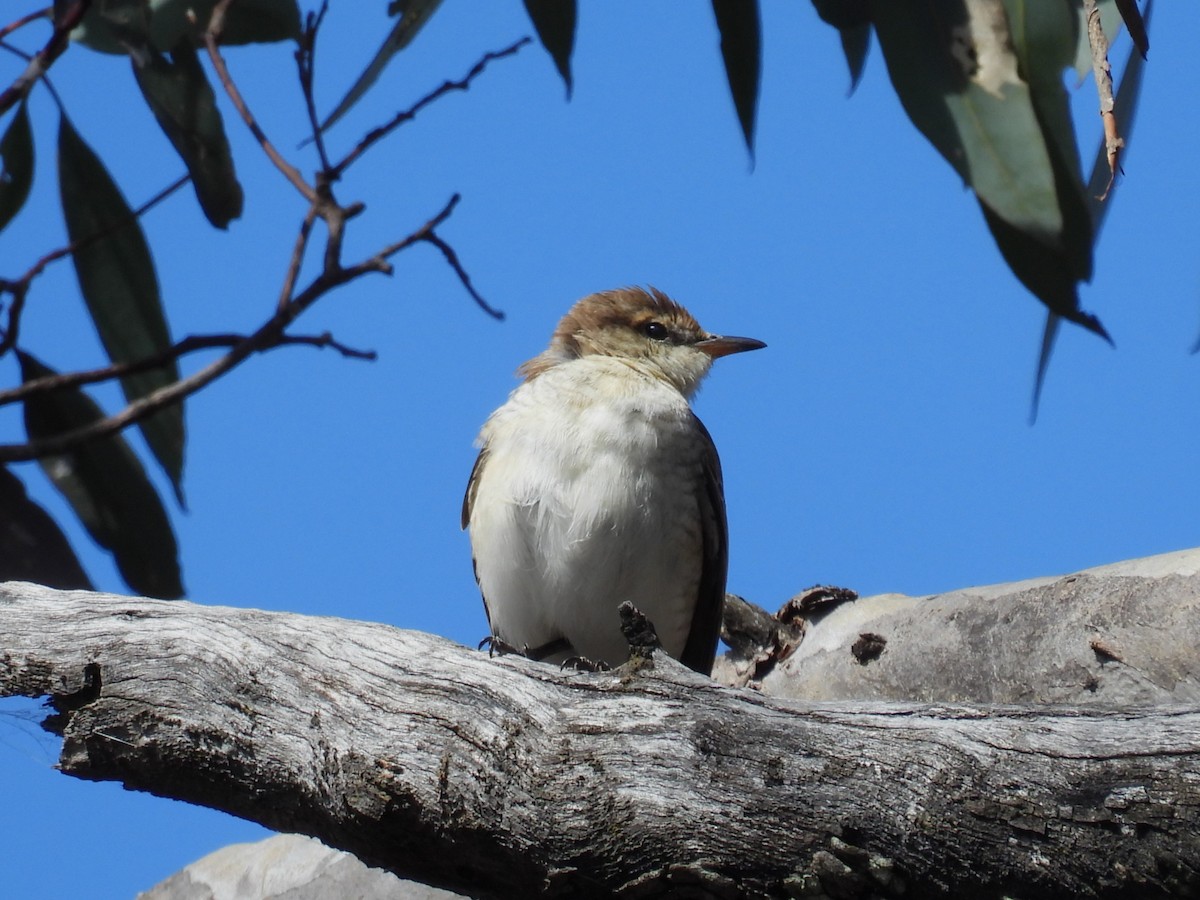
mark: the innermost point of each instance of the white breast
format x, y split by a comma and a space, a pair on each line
589, 497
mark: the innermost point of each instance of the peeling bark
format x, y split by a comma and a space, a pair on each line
502, 777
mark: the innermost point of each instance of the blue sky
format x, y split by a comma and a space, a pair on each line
881, 442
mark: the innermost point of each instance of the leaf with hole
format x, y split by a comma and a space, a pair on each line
182, 101
106, 486
118, 282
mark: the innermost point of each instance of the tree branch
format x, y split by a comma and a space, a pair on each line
509, 778
378, 134
44, 58
1104, 87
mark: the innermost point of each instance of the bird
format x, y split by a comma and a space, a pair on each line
596, 484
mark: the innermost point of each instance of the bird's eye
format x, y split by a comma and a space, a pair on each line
656, 331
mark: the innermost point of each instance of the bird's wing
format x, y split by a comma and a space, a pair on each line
473, 486
701, 649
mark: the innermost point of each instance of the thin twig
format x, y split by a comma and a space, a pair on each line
20, 288
297, 260
306, 62
211, 36
452, 258
191, 344
269, 335
44, 58
45, 12
378, 134
1104, 87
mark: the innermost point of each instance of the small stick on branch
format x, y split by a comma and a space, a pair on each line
1113, 141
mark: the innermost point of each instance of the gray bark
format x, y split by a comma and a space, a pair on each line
501, 777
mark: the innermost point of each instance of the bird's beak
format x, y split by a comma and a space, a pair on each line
717, 345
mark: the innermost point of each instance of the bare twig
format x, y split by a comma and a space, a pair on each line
44, 58
1104, 87
293, 270
306, 61
452, 259
45, 12
190, 344
378, 134
269, 335
20, 288
211, 36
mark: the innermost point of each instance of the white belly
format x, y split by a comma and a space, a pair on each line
569, 522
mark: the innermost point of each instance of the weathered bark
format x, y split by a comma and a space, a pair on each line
501, 777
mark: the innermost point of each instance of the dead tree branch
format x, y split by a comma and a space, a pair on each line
509, 778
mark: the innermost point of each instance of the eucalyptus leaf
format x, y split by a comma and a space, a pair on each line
741, 49
182, 101
107, 488
117, 26
116, 276
955, 65
852, 19
413, 16
16, 165
32, 546
554, 21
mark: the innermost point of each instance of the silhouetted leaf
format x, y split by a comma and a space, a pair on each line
1137, 28
117, 279
32, 546
183, 103
741, 48
16, 165
107, 487
115, 26
554, 21
1098, 193
954, 67
413, 16
852, 19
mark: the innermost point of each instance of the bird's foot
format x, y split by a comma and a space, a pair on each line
583, 664
497, 646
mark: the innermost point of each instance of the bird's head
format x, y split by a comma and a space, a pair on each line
643, 326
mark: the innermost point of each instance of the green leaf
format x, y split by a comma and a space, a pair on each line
741, 48
107, 488
413, 16
116, 26
32, 546
956, 69
554, 21
117, 279
16, 165
183, 103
